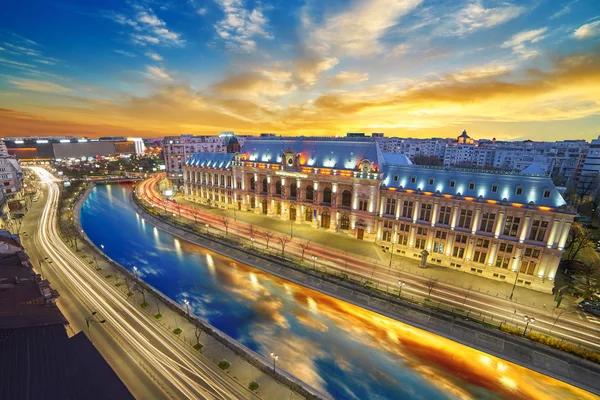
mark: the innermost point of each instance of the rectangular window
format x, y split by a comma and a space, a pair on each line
485, 243
228, 181
528, 267
487, 222
413, 179
494, 188
431, 181
388, 224
538, 230
546, 194
438, 247
471, 186
458, 252
407, 209
502, 261
238, 184
511, 226
519, 191
387, 236
403, 240
420, 243
390, 206
479, 256
404, 227
464, 221
461, 239
445, 212
422, 231
395, 178
452, 183
362, 205
425, 212
440, 235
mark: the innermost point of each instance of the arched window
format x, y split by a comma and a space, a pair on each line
308, 214
345, 222
278, 187
252, 184
265, 187
252, 202
346, 198
309, 192
325, 219
293, 190
327, 195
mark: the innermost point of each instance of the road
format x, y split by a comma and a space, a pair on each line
560, 324
130, 336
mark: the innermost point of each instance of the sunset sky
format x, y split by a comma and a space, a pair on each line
511, 70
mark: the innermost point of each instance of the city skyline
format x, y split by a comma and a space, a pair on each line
514, 71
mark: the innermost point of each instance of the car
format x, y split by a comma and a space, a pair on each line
173, 200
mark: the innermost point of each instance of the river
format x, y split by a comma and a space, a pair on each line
338, 348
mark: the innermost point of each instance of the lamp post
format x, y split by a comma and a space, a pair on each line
41, 269
314, 258
528, 320
275, 357
206, 228
401, 284
392, 253
252, 243
92, 318
187, 306
516, 277
102, 246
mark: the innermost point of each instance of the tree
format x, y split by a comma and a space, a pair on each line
578, 239
422, 159
430, 285
142, 290
305, 247
225, 222
268, 235
588, 278
284, 240
586, 186
198, 333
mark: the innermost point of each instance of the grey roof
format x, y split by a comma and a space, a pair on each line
396, 159
533, 169
208, 159
323, 153
532, 187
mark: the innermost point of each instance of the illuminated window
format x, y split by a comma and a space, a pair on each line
538, 230
487, 222
444, 217
519, 191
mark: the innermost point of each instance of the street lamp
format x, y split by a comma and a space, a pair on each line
314, 258
102, 246
41, 269
275, 357
392, 252
92, 318
206, 228
400, 285
187, 306
252, 242
528, 320
516, 277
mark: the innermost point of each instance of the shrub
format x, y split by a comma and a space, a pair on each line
198, 346
224, 365
177, 331
253, 386
144, 305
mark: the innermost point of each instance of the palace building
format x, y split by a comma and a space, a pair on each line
508, 227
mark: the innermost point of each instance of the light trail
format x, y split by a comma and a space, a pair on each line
153, 345
574, 330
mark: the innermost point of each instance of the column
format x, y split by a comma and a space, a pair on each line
382, 205
564, 235
411, 238
470, 248
450, 243
398, 206
500, 223
552, 266
525, 228
516, 261
492, 254
379, 226
430, 235
542, 265
553, 229
434, 217
416, 211
454, 216
559, 226
355, 189
476, 220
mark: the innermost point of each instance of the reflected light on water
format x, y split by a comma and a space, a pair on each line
155, 231
210, 263
508, 382
254, 280
312, 305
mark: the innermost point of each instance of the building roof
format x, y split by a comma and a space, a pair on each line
532, 187
396, 159
533, 169
43, 363
210, 159
339, 153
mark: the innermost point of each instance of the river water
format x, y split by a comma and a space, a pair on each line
334, 346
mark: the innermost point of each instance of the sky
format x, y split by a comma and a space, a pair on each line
511, 70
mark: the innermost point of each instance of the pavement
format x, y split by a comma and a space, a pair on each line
152, 361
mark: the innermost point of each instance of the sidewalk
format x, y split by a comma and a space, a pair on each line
373, 253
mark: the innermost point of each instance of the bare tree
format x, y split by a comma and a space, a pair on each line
305, 247
142, 290
588, 278
198, 333
268, 235
225, 222
578, 239
128, 282
284, 240
430, 285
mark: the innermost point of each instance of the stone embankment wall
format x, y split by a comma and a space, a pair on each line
555, 363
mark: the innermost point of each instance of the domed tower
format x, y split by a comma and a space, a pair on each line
232, 145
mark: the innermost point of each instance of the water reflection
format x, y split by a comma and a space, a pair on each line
332, 345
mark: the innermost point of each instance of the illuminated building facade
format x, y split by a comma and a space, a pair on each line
508, 227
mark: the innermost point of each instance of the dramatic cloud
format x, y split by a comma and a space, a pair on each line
271, 84
357, 31
240, 27
349, 77
475, 17
147, 28
519, 41
157, 73
38, 86
587, 30
308, 69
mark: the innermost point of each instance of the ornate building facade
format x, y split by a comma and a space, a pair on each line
508, 227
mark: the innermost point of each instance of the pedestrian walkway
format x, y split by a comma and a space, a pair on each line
349, 246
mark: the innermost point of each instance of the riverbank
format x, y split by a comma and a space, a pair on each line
245, 366
543, 359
